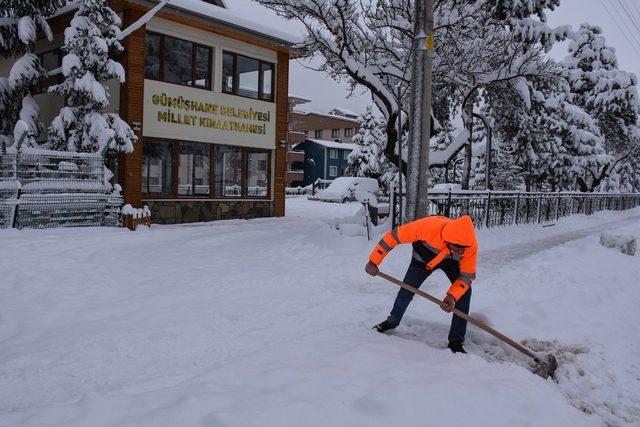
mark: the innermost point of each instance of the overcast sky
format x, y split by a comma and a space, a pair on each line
619, 19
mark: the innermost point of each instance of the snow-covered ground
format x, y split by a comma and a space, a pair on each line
268, 322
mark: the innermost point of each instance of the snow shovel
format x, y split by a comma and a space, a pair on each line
546, 365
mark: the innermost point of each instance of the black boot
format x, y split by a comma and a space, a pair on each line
384, 326
456, 347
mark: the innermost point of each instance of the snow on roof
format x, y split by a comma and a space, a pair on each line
218, 14
235, 19
343, 112
295, 96
332, 116
297, 100
334, 144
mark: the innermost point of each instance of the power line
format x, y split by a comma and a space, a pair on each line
621, 14
631, 17
634, 9
615, 21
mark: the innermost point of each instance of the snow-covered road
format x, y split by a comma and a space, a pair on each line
267, 322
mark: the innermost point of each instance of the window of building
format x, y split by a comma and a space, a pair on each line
257, 164
152, 56
333, 171
248, 77
333, 153
318, 134
335, 133
266, 69
157, 168
202, 67
345, 154
194, 173
178, 61
228, 169
237, 172
50, 61
227, 73
348, 132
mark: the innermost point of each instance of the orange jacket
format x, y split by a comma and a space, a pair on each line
435, 232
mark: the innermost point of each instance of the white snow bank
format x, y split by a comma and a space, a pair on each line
305, 208
624, 243
136, 212
269, 321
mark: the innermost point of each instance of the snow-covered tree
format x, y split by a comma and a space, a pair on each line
550, 138
20, 21
368, 159
83, 125
478, 42
607, 94
506, 175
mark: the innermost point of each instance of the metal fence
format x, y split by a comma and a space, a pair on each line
500, 208
44, 189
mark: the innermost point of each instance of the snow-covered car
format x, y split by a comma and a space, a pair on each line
343, 189
446, 187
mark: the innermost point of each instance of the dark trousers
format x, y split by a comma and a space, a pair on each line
416, 275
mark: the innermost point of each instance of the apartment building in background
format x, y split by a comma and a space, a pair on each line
338, 126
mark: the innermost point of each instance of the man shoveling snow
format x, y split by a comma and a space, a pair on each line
438, 243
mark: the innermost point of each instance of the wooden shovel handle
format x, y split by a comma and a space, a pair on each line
457, 312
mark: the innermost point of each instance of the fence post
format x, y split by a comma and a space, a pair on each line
487, 204
447, 210
538, 208
573, 198
557, 205
515, 209
392, 204
16, 169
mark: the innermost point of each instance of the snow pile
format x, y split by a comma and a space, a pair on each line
136, 213
624, 243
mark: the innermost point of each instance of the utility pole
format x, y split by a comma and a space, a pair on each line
420, 112
399, 122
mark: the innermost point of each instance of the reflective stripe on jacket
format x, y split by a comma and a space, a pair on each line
434, 232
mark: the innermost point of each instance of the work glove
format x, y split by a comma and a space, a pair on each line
448, 304
371, 269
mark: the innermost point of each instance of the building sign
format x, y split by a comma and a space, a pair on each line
185, 113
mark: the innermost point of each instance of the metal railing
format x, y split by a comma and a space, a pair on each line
501, 208
45, 189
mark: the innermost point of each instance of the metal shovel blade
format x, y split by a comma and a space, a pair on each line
546, 366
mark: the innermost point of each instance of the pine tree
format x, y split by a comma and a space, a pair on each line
83, 125
368, 159
506, 175
607, 94
551, 139
18, 33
